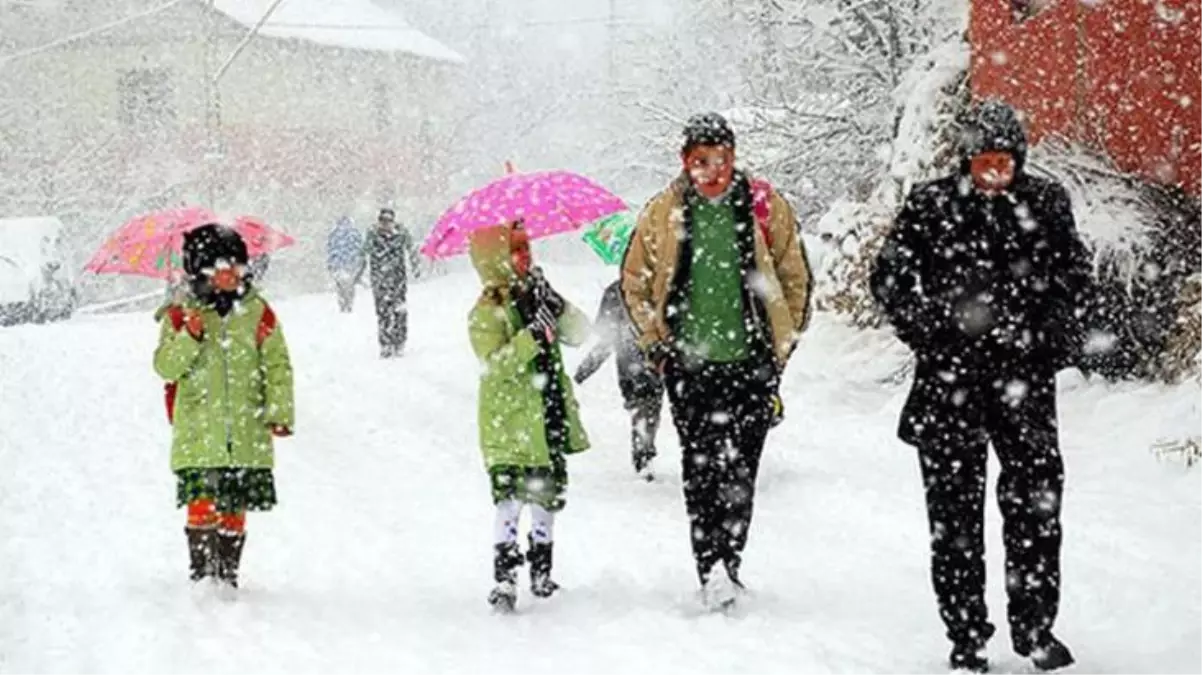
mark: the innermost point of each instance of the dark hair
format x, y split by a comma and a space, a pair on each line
707, 129
211, 242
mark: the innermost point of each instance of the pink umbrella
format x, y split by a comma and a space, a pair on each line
548, 202
150, 245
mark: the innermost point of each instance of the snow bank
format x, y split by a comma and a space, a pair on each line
26, 245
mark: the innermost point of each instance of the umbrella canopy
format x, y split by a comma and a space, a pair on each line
549, 202
609, 236
150, 245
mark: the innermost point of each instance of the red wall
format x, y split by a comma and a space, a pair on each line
1121, 75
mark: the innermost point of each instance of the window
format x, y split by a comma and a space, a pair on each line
1026, 9
146, 99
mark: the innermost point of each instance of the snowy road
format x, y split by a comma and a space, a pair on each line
378, 557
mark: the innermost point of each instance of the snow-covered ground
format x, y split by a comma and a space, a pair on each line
379, 555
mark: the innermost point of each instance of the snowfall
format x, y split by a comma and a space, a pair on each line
378, 557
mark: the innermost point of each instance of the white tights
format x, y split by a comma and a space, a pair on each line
509, 512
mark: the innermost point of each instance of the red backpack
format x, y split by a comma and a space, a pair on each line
176, 314
761, 206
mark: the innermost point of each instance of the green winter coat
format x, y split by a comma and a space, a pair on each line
511, 407
230, 388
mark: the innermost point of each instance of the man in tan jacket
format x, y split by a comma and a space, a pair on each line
716, 283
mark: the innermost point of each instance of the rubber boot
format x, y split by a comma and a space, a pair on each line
202, 553
540, 558
507, 558
229, 557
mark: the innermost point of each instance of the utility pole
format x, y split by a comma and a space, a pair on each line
212, 143
612, 47
214, 150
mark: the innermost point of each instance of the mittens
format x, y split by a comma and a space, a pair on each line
194, 323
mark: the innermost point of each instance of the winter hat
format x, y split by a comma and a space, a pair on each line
993, 125
209, 243
707, 129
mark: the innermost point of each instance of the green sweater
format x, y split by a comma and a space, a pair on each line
713, 327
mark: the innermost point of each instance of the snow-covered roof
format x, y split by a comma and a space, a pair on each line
26, 244
353, 24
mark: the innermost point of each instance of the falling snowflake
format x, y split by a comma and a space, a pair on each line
1016, 392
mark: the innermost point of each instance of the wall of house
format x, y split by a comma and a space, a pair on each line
1121, 75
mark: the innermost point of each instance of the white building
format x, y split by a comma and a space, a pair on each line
106, 111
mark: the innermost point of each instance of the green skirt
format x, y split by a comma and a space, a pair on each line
545, 486
233, 489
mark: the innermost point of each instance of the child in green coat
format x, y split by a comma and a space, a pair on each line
222, 351
528, 416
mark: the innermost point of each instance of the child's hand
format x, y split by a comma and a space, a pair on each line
544, 324
195, 323
280, 431
658, 356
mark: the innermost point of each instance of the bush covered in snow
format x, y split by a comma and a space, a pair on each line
930, 97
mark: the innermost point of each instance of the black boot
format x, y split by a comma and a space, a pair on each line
968, 650
1044, 649
202, 543
540, 569
507, 558
968, 657
229, 557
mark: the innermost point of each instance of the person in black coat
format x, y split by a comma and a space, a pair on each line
982, 277
388, 250
642, 388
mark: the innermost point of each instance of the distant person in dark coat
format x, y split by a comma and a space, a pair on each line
983, 276
388, 249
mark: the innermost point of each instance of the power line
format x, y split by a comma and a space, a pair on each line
87, 33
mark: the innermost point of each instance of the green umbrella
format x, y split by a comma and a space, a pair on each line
608, 237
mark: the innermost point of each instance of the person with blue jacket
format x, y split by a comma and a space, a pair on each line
345, 261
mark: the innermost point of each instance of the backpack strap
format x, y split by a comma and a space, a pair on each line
176, 314
267, 323
761, 206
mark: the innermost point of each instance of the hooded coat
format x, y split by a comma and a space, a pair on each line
512, 413
232, 386
982, 288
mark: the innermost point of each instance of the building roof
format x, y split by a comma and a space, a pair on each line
352, 24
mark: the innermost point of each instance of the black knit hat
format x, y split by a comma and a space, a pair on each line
707, 129
207, 244
993, 125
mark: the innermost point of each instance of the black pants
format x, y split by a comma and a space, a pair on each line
722, 413
1018, 416
392, 317
644, 425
